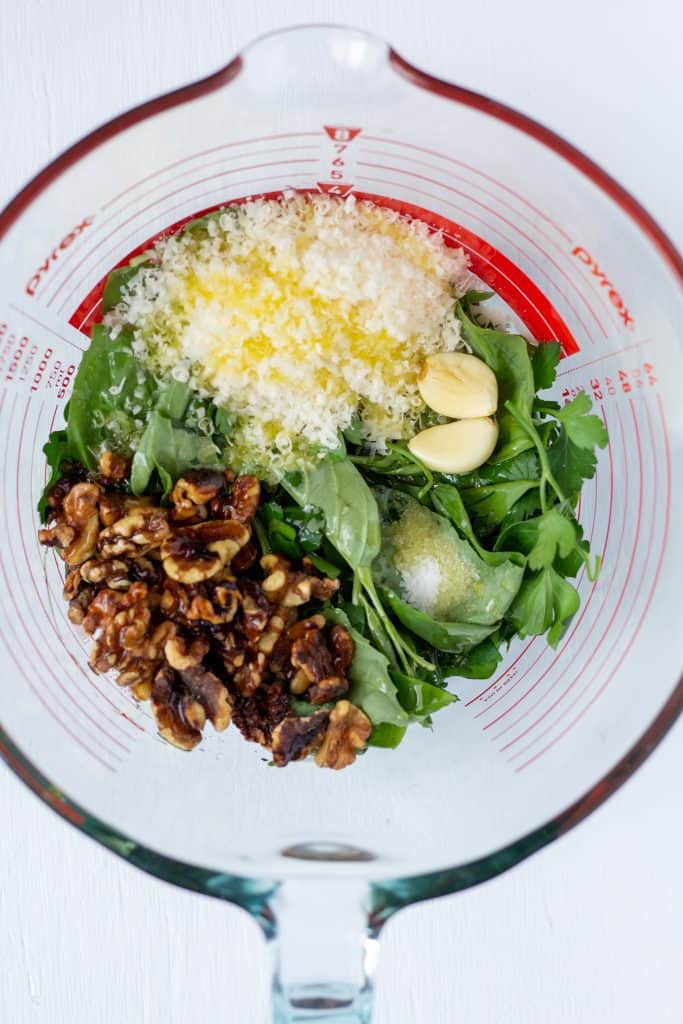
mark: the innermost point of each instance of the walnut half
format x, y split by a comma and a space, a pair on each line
347, 733
294, 738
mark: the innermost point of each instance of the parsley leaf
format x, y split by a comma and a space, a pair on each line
544, 604
570, 464
584, 429
555, 535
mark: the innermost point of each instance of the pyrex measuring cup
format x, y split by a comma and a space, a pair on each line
322, 859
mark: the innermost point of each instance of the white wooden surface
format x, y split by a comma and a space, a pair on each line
590, 930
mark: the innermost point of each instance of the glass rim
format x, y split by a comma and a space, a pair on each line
389, 894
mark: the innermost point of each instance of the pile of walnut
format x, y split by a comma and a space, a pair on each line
182, 610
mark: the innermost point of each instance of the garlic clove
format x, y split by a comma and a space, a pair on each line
459, 385
457, 447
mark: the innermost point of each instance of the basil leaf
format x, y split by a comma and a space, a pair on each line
480, 662
420, 698
445, 636
431, 537
111, 392
170, 450
346, 502
56, 451
386, 735
118, 280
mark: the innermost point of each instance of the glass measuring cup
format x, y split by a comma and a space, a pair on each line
323, 860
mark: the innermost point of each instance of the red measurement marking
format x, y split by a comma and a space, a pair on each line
575, 625
335, 188
38, 591
571, 368
607, 630
644, 613
341, 133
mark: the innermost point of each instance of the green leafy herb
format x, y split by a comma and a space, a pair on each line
119, 279
400, 464
445, 636
110, 393
508, 356
372, 688
418, 697
447, 502
584, 428
544, 604
479, 662
387, 736
556, 535
488, 505
350, 512
544, 362
56, 451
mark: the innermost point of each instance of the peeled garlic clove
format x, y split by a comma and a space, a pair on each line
456, 447
459, 385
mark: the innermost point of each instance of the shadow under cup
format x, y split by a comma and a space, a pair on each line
322, 858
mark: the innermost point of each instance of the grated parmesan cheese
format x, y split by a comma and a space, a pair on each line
295, 315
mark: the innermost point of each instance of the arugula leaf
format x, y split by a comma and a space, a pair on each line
372, 688
508, 356
584, 429
544, 604
346, 502
544, 363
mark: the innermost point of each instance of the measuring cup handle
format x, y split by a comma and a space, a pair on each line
323, 954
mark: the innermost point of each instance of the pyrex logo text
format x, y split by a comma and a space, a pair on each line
613, 295
32, 284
